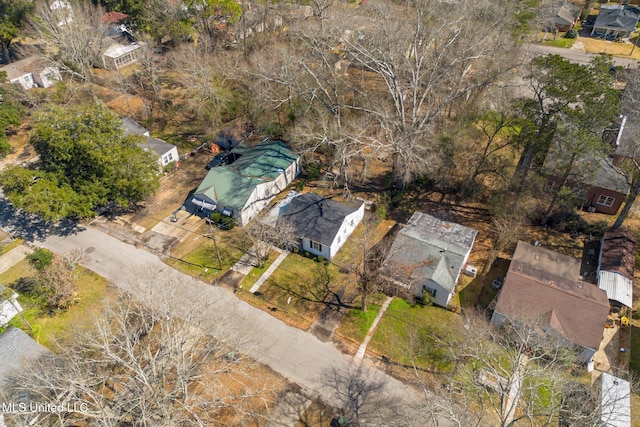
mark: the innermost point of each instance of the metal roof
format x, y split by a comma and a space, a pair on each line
617, 287
615, 401
231, 185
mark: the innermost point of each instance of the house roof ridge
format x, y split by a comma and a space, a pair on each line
559, 280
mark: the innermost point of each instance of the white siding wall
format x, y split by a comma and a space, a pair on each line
442, 297
306, 246
165, 160
264, 193
348, 225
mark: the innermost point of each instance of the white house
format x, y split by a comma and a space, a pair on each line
245, 187
427, 255
323, 225
166, 152
30, 73
9, 306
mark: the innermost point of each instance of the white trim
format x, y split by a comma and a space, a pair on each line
605, 200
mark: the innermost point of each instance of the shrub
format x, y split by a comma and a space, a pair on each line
169, 167
222, 221
296, 250
40, 259
571, 34
320, 258
314, 171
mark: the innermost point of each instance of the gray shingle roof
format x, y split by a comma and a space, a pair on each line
17, 350
616, 18
315, 217
131, 127
429, 248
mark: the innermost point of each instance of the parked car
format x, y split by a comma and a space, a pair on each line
222, 159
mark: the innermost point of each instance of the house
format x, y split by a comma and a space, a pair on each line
323, 225
9, 305
166, 152
566, 18
616, 263
427, 255
17, 351
615, 21
615, 401
31, 72
62, 11
598, 184
242, 189
117, 55
545, 286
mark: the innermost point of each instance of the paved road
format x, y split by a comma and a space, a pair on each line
574, 55
294, 354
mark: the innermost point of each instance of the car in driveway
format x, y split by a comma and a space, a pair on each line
222, 159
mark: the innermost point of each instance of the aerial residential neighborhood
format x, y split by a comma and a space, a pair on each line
353, 213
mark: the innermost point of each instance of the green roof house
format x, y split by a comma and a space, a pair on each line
244, 188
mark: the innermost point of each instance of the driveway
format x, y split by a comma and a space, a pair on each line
294, 354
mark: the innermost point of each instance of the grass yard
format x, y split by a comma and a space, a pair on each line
253, 276
593, 45
199, 253
92, 290
303, 280
411, 334
560, 41
354, 327
9, 246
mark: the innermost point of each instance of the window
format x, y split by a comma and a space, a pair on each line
431, 291
581, 194
605, 201
316, 246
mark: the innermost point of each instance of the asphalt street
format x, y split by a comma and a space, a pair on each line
295, 354
574, 55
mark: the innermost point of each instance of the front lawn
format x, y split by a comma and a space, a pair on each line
297, 290
253, 276
197, 254
47, 327
417, 335
354, 327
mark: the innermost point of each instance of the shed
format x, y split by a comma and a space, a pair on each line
615, 401
616, 263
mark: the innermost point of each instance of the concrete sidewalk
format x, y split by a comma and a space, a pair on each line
295, 354
363, 347
13, 257
269, 271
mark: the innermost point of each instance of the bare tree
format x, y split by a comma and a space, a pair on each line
507, 229
142, 366
75, 34
425, 70
205, 79
264, 235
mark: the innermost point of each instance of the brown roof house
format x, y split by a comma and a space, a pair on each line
427, 255
546, 286
615, 266
566, 18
